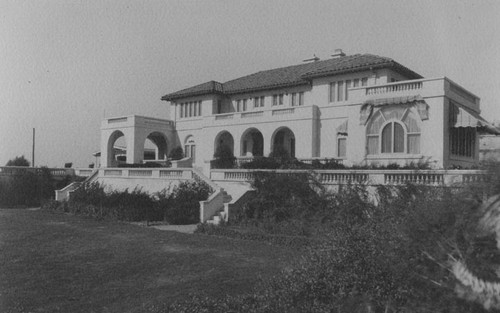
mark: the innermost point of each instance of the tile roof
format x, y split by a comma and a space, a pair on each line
294, 75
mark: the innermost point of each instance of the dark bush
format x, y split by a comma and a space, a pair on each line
18, 161
185, 202
223, 158
180, 206
140, 165
25, 188
176, 154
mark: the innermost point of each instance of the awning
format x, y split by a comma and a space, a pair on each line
396, 100
464, 117
417, 100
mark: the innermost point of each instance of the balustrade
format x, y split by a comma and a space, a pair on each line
394, 88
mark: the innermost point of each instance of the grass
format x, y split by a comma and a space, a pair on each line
63, 263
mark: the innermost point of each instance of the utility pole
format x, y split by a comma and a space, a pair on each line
33, 150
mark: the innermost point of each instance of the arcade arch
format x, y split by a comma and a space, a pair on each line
252, 143
224, 138
284, 138
116, 149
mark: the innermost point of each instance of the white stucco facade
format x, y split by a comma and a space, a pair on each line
361, 116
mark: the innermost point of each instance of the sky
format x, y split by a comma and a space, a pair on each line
65, 65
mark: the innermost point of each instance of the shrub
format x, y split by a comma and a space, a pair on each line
176, 153
185, 202
26, 188
18, 161
223, 158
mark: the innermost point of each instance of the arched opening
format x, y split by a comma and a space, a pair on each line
155, 147
224, 138
252, 143
393, 130
117, 149
190, 148
284, 140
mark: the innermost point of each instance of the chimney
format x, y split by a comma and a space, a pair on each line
338, 53
314, 59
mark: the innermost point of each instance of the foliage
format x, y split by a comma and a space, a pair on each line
223, 157
176, 153
183, 205
26, 188
178, 206
390, 257
140, 165
280, 197
18, 161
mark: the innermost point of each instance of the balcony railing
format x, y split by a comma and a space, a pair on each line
400, 87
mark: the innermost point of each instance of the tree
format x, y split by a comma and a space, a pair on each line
18, 161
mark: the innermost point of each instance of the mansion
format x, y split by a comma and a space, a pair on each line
361, 109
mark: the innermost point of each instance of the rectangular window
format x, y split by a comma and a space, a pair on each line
364, 81
219, 106
195, 108
238, 104
463, 141
244, 105
301, 98
190, 109
340, 91
275, 100
181, 115
341, 147
356, 83
199, 108
262, 101
293, 99
331, 93
280, 101
347, 86
256, 102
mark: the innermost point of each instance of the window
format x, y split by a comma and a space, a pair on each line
219, 106
463, 141
331, 92
181, 110
347, 86
262, 101
190, 148
256, 102
393, 140
364, 81
293, 99
244, 104
356, 83
301, 98
238, 105
340, 91
280, 99
393, 130
199, 108
275, 100
341, 146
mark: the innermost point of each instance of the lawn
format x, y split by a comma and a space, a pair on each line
62, 263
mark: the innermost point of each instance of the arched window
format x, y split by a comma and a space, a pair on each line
393, 130
393, 138
190, 148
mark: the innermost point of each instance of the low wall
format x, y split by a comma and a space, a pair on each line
150, 180
368, 177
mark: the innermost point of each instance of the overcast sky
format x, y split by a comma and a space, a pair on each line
64, 65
